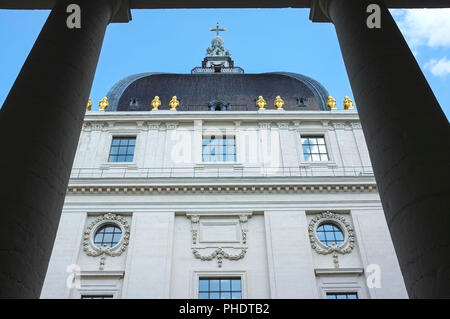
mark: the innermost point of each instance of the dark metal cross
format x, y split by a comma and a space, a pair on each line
217, 29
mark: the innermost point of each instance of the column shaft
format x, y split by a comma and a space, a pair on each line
408, 138
40, 123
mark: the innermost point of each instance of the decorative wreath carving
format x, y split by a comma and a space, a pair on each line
219, 252
349, 235
88, 239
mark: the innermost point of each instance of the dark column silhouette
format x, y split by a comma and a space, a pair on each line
40, 124
408, 137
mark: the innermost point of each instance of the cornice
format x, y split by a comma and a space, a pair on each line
248, 116
222, 189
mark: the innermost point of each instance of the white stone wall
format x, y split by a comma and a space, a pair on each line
270, 182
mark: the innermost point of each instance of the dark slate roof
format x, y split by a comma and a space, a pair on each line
195, 91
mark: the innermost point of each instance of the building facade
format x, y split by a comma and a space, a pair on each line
221, 184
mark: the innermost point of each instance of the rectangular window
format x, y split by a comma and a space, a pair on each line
314, 149
218, 148
219, 288
342, 295
97, 297
122, 149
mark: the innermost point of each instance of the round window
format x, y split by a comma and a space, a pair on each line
108, 235
330, 234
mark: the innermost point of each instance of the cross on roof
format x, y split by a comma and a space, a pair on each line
217, 29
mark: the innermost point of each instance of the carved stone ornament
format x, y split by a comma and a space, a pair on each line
219, 250
88, 239
349, 235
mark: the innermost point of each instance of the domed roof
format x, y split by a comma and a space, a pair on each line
197, 92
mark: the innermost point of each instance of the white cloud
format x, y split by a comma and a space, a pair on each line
429, 27
438, 68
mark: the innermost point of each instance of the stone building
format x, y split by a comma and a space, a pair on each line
222, 184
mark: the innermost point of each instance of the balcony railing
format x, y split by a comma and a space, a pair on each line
219, 172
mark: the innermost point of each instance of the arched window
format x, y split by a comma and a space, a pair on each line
108, 235
330, 234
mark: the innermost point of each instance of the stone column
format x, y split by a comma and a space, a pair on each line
408, 138
40, 123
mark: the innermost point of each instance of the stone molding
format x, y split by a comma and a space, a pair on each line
343, 224
274, 188
88, 238
219, 249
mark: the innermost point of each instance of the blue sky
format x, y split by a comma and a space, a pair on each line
260, 40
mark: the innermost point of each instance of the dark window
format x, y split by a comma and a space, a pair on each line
108, 235
330, 234
219, 288
219, 149
122, 149
314, 148
342, 295
97, 297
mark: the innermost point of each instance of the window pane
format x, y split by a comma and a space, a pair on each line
214, 285
98, 237
225, 285
203, 285
236, 295
214, 295
236, 285
203, 295
225, 295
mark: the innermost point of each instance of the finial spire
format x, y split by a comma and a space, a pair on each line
217, 29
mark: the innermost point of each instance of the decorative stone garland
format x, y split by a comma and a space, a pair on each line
319, 247
219, 252
88, 239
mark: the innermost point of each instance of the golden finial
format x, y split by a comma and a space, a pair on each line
261, 103
89, 104
173, 103
331, 103
348, 103
278, 102
103, 104
156, 103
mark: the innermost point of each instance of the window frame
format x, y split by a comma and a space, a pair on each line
104, 225
92, 296
122, 136
197, 275
230, 291
342, 293
335, 224
326, 143
227, 135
